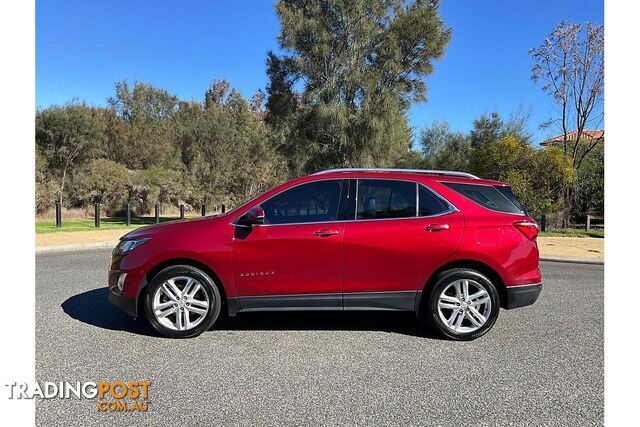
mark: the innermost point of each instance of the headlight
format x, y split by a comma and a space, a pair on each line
126, 246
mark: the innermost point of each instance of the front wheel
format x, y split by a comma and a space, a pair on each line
182, 302
462, 305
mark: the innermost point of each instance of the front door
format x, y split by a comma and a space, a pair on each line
294, 259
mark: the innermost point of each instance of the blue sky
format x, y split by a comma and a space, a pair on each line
83, 48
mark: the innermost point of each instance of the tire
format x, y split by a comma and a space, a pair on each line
177, 307
447, 297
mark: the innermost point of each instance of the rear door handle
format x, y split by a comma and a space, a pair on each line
325, 232
437, 227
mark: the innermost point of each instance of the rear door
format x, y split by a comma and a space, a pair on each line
402, 231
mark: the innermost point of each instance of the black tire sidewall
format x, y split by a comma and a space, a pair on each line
209, 287
444, 279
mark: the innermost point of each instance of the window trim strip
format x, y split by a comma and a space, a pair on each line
451, 207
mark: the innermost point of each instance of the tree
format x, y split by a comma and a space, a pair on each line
101, 181
66, 136
443, 148
486, 129
156, 185
536, 175
46, 188
570, 66
589, 186
226, 148
147, 114
361, 64
492, 128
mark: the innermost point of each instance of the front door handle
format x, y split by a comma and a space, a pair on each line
437, 227
325, 232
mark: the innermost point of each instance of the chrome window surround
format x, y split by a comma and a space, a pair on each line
451, 207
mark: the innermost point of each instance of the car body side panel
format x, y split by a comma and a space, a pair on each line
287, 259
393, 255
208, 243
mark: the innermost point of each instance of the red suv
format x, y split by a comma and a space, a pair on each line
448, 246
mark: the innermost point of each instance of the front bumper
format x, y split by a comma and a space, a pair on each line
523, 295
117, 298
127, 304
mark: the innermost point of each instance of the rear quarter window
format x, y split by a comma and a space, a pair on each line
493, 198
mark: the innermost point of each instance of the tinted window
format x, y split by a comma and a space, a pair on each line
429, 203
313, 202
380, 198
486, 195
508, 193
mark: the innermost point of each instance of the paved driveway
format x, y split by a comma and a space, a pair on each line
539, 365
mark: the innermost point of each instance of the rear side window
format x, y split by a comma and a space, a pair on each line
430, 204
489, 196
381, 198
508, 193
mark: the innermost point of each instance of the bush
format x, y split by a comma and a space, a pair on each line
538, 176
101, 181
156, 185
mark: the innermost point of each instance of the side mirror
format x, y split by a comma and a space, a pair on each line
254, 216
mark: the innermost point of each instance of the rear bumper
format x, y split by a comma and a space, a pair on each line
523, 295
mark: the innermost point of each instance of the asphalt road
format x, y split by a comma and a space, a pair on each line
539, 365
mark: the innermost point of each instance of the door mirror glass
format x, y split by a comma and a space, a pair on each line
254, 216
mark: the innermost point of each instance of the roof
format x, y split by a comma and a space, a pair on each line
419, 174
397, 170
571, 136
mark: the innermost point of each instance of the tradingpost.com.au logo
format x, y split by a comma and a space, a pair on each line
112, 396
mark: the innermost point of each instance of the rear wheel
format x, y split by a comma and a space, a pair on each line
462, 305
182, 302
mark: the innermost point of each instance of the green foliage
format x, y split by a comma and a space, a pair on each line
46, 189
362, 64
486, 129
536, 175
101, 181
67, 136
155, 185
337, 96
443, 148
226, 149
144, 136
589, 186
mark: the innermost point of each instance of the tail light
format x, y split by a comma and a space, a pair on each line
528, 228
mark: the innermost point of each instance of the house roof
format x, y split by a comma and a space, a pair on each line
571, 136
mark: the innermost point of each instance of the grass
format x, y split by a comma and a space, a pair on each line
573, 232
87, 224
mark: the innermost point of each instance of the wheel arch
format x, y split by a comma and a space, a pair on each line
178, 261
472, 264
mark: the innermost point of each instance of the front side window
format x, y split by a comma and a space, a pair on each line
312, 202
380, 198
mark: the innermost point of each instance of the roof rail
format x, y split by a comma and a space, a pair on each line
425, 171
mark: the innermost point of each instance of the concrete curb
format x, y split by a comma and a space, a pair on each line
76, 247
572, 260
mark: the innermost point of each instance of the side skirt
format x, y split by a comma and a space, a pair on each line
386, 301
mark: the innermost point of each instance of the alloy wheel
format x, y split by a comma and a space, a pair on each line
180, 303
464, 306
